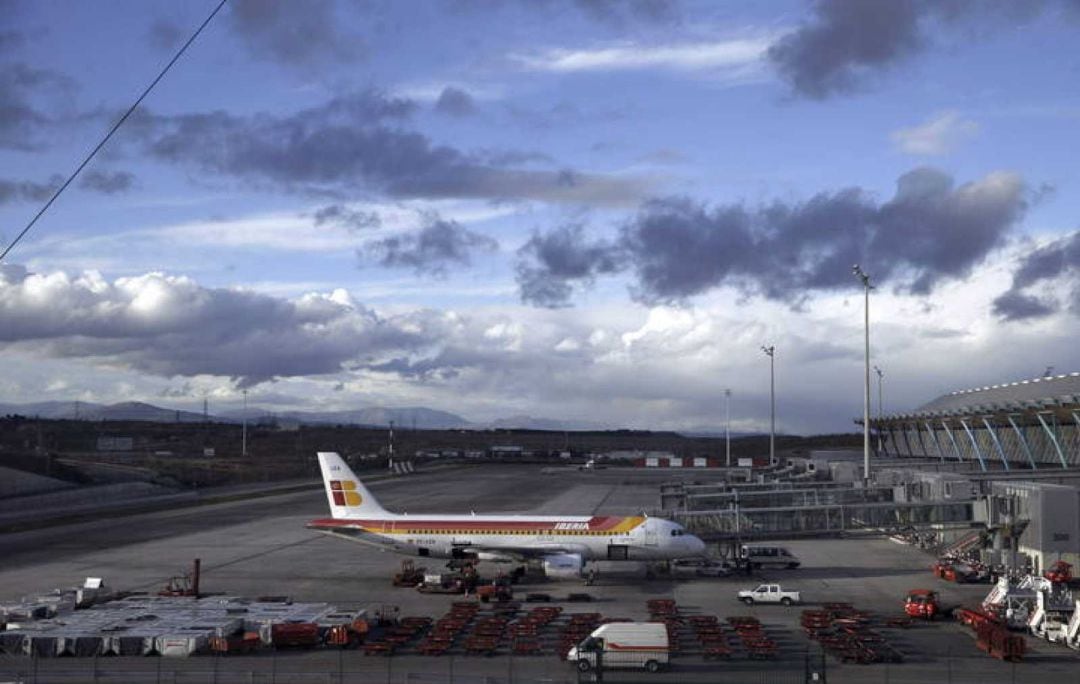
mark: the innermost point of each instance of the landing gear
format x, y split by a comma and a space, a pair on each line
592, 576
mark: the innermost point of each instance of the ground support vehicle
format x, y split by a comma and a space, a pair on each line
1071, 634
1014, 599
244, 642
1059, 572
295, 635
1054, 608
922, 603
769, 593
642, 645
961, 573
992, 634
409, 575
768, 556
442, 584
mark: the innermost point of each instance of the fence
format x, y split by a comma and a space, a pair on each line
341, 667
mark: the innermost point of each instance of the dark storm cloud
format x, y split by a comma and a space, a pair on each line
295, 33
30, 191
434, 248
929, 231
1016, 306
107, 182
549, 265
355, 141
845, 40
352, 219
1059, 259
455, 102
848, 41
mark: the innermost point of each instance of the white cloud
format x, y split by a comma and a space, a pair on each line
937, 136
612, 362
731, 55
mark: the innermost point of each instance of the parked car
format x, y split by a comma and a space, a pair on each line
769, 593
763, 556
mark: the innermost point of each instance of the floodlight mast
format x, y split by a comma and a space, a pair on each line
880, 409
865, 280
770, 351
727, 425
243, 441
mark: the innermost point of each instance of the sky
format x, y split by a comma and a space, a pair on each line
591, 211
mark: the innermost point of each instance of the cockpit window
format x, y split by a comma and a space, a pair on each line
677, 533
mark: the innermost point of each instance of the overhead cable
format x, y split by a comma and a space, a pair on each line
112, 130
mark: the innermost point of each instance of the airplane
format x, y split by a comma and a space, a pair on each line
562, 544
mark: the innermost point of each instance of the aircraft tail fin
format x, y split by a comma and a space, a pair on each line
347, 495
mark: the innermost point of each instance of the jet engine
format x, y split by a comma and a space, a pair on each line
563, 565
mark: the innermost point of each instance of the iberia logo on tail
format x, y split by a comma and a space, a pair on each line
345, 493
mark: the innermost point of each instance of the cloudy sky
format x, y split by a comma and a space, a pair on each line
588, 210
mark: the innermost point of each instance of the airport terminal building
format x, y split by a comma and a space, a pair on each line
1030, 424
1015, 447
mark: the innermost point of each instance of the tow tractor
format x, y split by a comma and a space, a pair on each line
922, 603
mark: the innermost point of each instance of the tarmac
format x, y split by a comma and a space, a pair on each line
260, 547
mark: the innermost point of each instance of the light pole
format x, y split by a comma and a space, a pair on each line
727, 425
865, 280
390, 448
243, 447
770, 351
880, 408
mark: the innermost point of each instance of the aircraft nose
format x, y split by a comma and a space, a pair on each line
696, 545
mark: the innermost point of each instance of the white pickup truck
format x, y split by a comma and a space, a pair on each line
769, 593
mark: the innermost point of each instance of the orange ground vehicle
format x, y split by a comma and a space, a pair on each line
922, 603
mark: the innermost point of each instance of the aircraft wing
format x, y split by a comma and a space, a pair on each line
533, 551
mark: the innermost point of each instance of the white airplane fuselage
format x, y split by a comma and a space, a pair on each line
569, 539
450, 536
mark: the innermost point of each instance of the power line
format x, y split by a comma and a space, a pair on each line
112, 130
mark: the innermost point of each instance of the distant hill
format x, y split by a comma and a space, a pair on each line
405, 418
523, 422
84, 410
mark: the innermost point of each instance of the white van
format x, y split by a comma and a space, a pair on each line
623, 645
764, 556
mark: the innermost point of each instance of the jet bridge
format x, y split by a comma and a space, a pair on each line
825, 519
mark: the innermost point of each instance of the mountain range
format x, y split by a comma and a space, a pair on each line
416, 417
